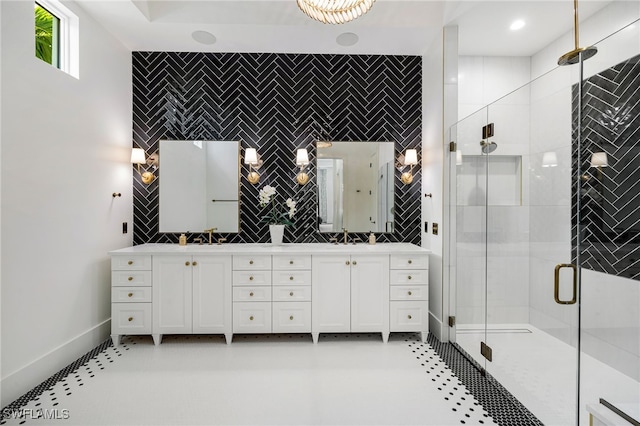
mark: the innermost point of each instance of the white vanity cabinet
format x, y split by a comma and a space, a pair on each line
160, 289
291, 292
130, 296
191, 295
350, 293
409, 293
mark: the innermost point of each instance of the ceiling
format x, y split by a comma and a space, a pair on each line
403, 27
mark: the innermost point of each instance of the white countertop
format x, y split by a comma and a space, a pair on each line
267, 248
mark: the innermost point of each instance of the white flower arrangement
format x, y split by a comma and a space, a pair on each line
275, 216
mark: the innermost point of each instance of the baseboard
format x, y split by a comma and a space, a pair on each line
20, 382
436, 328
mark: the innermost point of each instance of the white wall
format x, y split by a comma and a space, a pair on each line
432, 172
65, 150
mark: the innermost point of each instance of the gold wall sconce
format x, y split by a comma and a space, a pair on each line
410, 159
302, 161
599, 160
138, 157
254, 162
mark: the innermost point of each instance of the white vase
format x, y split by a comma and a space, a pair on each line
277, 232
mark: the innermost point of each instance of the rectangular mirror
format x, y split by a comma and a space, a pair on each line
355, 186
199, 186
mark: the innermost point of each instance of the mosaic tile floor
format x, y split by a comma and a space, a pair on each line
263, 379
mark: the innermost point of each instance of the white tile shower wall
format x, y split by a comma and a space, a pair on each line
611, 330
484, 80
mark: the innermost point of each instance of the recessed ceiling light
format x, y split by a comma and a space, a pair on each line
347, 39
203, 37
517, 25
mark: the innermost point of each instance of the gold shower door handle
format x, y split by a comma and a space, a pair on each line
556, 289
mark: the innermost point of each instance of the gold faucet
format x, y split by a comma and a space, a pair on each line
346, 235
221, 240
210, 231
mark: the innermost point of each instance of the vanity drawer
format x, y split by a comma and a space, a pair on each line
292, 294
292, 262
252, 317
291, 277
131, 263
251, 278
409, 292
292, 317
131, 278
250, 263
252, 294
409, 316
131, 318
409, 276
131, 294
409, 261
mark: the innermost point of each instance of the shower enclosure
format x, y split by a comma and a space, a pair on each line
544, 245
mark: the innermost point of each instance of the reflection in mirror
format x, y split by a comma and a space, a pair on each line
199, 186
355, 186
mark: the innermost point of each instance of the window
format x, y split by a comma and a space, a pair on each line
56, 36
47, 36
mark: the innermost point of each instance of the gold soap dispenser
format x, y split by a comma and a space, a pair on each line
372, 238
182, 240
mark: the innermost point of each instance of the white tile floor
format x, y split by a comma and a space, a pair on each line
540, 371
258, 380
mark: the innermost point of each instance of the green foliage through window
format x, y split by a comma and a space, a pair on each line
47, 32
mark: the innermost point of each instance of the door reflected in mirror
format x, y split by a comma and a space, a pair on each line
199, 186
355, 186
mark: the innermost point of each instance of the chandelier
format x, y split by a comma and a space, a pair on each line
335, 11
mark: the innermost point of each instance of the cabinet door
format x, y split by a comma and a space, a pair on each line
330, 294
172, 294
212, 294
370, 294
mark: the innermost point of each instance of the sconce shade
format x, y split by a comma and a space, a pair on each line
410, 157
137, 156
599, 159
250, 156
302, 157
549, 159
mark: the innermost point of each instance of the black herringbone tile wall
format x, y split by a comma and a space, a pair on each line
609, 204
277, 103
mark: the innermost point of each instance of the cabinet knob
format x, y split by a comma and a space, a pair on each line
251, 278
409, 262
130, 279
409, 293
291, 262
347, 263
195, 263
130, 294
251, 294
187, 263
290, 278
409, 316
290, 293
130, 262
354, 263
251, 262
251, 318
291, 318
130, 319
409, 277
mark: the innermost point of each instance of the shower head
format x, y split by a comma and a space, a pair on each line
488, 147
573, 57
